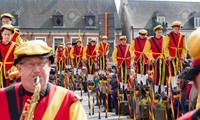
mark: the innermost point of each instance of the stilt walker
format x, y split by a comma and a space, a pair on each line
154, 51
141, 61
60, 61
123, 59
89, 56
175, 51
76, 54
67, 56
102, 56
102, 53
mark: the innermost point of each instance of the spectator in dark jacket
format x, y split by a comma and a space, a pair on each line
114, 88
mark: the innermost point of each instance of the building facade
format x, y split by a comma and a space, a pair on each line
56, 21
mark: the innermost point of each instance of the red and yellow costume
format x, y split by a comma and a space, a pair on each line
7, 59
60, 58
175, 47
102, 50
76, 54
68, 107
67, 55
16, 38
89, 55
122, 57
141, 61
154, 51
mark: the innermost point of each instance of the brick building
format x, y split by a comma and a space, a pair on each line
56, 21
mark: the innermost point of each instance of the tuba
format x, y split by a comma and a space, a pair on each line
30, 105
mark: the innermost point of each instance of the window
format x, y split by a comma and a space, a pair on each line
90, 19
57, 19
41, 38
196, 22
56, 42
73, 40
90, 38
161, 19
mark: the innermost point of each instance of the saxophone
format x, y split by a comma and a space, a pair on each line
30, 105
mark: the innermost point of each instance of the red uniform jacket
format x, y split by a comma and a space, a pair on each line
174, 44
156, 46
91, 52
103, 48
139, 47
7, 57
60, 55
78, 51
67, 52
123, 55
19, 94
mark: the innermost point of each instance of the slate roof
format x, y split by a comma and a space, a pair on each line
141, 12
38, 13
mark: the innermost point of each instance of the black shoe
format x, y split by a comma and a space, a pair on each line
176, 90
120, 91
146, 87
164, 96
157, 96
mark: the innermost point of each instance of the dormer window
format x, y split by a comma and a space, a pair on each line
15, 19
90, 19
196, 22
195, 19
159, 17
57, 19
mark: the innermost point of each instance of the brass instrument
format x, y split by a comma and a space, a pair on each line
30, 105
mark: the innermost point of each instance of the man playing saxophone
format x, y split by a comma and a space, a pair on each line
35, 98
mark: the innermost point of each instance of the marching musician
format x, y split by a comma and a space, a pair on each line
141, 61
89, 55
175, 51
123, 59
44, 101
154, 51
60, 58
67, 55
6, 19
7, 48
102, 53
76, 55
